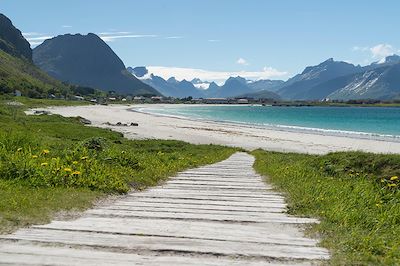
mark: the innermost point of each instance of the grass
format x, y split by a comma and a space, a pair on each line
355, 195
50, 163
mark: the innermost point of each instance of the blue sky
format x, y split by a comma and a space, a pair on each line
217, 38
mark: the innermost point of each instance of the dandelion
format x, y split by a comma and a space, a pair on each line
44, 164
74, 162
76, 173
19, 149
392, 185
45, 152
67, 169
34, 156
394, 178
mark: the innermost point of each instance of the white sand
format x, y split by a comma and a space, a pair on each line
203, 132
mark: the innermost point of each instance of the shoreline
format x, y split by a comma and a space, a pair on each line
288, 128
155, 126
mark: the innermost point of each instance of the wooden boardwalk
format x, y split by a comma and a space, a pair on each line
221, 214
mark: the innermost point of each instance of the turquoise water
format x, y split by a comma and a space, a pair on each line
352, 120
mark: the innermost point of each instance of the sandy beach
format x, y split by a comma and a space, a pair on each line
210, 132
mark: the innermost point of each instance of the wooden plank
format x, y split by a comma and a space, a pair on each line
188, 207
12, 254
270, 218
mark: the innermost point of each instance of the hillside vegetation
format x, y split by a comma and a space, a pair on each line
20, 74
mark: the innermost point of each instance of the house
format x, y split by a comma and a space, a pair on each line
242, 101
78, 98
156, 98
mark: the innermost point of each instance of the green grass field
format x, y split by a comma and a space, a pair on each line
50, 163
355, 195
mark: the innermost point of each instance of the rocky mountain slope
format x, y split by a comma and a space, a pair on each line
86, 60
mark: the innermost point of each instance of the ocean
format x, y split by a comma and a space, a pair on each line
363, 121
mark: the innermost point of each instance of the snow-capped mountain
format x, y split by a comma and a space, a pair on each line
381, 83
196, 88
298, 87
343, 81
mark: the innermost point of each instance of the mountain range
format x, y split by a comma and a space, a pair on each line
196, 88
334, 80
343, 81
86, 60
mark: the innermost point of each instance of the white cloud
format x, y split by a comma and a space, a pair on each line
361, 49
213, 40
381, 51
376, 53
66, 26
242, 61
27, 34
174, 37
35, 38
41, 38
112, 36
219, 77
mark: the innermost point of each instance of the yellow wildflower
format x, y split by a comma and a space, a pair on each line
84, 158
67, 169
392, 185
394, 178
45, 151
74, 162
34, 156
19, 149
44, 164
76, 173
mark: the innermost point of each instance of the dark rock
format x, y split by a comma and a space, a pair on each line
85, 121
41, 112
12, 41
134, 124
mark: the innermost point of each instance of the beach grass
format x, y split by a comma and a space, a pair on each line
49, 163
355, 195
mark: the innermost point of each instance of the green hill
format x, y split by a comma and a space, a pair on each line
20, 74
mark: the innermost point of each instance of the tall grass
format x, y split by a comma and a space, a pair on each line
356, 196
